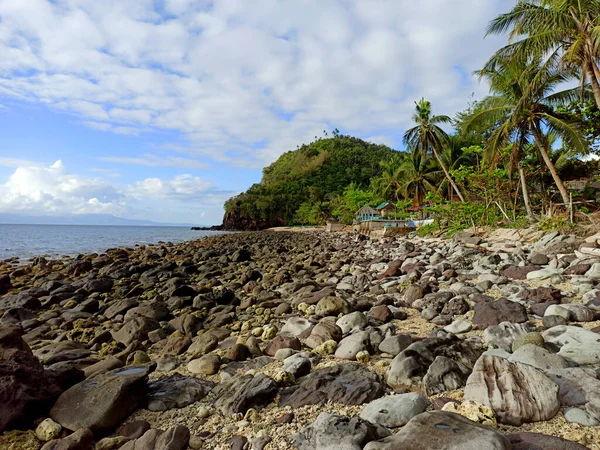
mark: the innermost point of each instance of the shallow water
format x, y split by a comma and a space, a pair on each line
25, 241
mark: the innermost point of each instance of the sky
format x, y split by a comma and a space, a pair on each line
163, 109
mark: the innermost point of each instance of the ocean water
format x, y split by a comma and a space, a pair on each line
26, 241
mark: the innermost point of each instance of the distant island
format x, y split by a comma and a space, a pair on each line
84, 219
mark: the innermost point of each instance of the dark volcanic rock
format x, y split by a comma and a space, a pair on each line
101, 403
240, 393
349, 384
26, 391
493, 313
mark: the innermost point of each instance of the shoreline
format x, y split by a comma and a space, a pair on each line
285, 307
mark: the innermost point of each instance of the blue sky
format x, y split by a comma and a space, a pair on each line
163, 109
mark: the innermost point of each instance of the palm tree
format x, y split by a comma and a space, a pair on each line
567, 32
427, 137
521, 105
388, 185
419, 176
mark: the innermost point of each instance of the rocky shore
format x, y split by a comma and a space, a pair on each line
313, 341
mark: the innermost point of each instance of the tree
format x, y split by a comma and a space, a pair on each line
427, 137
389, 184
521, 101
566, 32
419, 177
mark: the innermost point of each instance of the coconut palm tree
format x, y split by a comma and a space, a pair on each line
566, 32
521, 106
419, 176
427, 137
388, 184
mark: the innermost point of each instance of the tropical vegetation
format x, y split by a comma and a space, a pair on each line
509, 158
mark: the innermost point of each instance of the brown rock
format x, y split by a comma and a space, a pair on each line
280, 342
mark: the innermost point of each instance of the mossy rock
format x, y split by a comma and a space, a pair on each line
534, 338
138, 358
110, 348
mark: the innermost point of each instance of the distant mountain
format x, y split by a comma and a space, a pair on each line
83, 219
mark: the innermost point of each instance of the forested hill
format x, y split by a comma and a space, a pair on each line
312, 175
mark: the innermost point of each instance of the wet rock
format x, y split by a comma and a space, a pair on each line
102, 402
348, 384
176, 391
394, 411
516, 392
440, 429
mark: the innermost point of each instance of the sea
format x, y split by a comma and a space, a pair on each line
27, 241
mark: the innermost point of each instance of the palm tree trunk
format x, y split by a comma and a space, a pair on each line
530, 215
542, 145
450, 180
591, 73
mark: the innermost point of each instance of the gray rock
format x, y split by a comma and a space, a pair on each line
518, 393
503, 335
352, 322
576, 415
295, 326
459, 327
396, 344
444, 374
324, 331
297, 365
334, 432
443, 430
134, 329
206, 365
557, 310
349, 346
576, 344
538, 357
553, 321
576, 385
543, 274
396, 410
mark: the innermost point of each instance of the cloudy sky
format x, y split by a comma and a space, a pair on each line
162, 109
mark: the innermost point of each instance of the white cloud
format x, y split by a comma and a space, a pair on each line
158, 161
38, 189
244, 81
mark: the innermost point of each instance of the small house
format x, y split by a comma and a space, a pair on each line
386, 209
365, 214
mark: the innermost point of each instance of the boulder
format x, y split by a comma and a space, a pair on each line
576, 344
444, 374
26, 390
102, 402
518, 393
349, 384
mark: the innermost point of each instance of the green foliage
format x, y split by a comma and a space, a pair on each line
559, 224
304, 186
